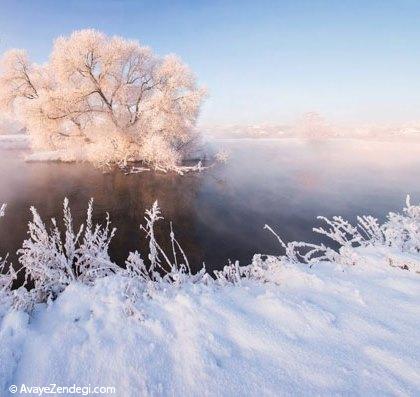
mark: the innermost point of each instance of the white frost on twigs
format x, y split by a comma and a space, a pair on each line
7, 273
52, 260
401, 233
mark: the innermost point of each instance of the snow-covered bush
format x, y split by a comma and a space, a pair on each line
402, 231
7, 273
173, 268
5, 280
110, 96
263, 268
52, 261
399, 233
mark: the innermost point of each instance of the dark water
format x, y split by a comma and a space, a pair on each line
219, 214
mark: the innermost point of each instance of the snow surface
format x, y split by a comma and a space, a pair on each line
329, 330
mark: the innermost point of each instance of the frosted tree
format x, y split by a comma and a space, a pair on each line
313, 126
110, 96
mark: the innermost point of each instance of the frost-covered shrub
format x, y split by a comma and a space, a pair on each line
400, 232
263, 268
52, 260
5, 279
7, 273
173, 268
232, 273
19, 298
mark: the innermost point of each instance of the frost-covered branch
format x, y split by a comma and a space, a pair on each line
2, 210
340, 231
400, 232
162, 267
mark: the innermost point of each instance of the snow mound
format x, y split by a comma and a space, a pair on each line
327, 331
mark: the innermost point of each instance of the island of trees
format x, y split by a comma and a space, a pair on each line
104, 99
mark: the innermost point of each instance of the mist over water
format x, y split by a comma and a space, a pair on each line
219, 214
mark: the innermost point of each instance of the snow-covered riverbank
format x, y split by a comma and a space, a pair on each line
324, 331
347, 324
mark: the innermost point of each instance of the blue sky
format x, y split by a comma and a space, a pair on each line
262, 61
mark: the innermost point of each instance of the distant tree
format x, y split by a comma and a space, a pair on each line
313, 126
108, 97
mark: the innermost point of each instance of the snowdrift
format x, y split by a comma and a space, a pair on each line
314, 321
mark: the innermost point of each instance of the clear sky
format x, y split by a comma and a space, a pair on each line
262, 61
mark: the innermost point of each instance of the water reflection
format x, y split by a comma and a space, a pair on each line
220, 214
